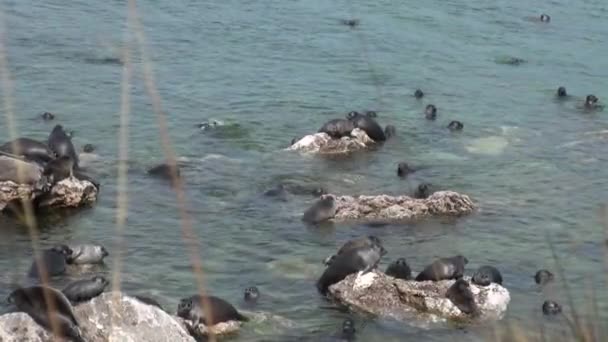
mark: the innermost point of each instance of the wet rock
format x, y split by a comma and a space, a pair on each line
103, 319
386, 296
70, 192
201, 331
322, 143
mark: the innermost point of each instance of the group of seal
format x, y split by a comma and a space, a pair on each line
430, 113
55, 259
338, 128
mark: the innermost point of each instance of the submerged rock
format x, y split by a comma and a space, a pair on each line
322, 143
386, 296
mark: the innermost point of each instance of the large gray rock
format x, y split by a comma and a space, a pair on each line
322, 143
102, 320
405, 300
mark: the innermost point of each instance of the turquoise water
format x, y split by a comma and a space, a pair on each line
280, 69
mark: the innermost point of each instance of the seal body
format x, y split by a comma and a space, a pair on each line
551, 308
337, 128
543, 277
444, 269
192, 309
88, 148
47, 116
87, 254
31, 300
53, 260
591, 102
163, 171
545, 18
322, 210
368, 125
366, 241
418, 94
348, 330
278, 192
460, 295
403, 169
30, 149
59, 169
561, 92
251, 294
430, 112
61, 144
455, 126
486, 275
399, 269
19, 171
85, 289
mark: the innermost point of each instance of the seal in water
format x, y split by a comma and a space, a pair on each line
455, 126
88, 148
149, 301
367, 124
85, 289
60, 143
561, 92
362, 259
423, 191
591, 102
59, 169
371, 114
30, 149
53, 260
430, 112
545, 18
399, 269
322, 210
192, 309
87, 254
47, 116
278, 191
444, 269
460, 295
390, 131
251, 294
542, 277
551, 308
350, 22
348, 330
163, 171
418, 94
485, 275
366, 241
403, 169
59, 314
337, 128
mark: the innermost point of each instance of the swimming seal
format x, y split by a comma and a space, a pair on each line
551, 308
390, 131
362, 259
403, 169
53, 260
485, 275
46, 116
430, 112
60, 314
163, 171
542, 277
59, 169
350, 22
61, 144
444, 269
278, 191
366, 241
88, 148
368, 125
399, 269
371, 114
591, 102
348, 330
418, 94
322, 210
460, 295
423, 190
455, 126
251, 294
87, 254
192, 309
85, 289
337, 128
30, 149
561, 92
545, 18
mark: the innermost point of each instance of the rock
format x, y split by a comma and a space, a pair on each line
70, 192
103, 320
391, 208
322, 143
201, 331
403, 299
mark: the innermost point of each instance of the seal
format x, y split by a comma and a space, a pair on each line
87, 254
561, 92
545, 18
348, 330
591, 102
163, 171
390, 131
455, 126
368, 125
485, 275
352, 114
322, 210
53, 260
148, 301
278, 191
47, 116
59, 169
85, 289
444, 269
551, 308
423, 190
371, 114
543, 277
418, 94
61, 144
59, 314
19, 172
430, 112
30, 149
193, 309
399, 269
403, 169
88, 148
337, 128
251, 294
350, 22
366, 241
362, 259
460, 295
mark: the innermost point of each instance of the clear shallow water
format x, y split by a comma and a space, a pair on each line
281, 69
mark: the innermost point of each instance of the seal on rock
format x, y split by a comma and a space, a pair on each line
366, 241
418, 94
368, 125
399, 269
430, 112
322, 210
542, 277
337, 128
460, 295
193, 309
20, 172
455, 126
59, 169
87, 254
30, 149
485, 275
53, 260
444, 269
61, 144
59, 314
85, 289
251, 294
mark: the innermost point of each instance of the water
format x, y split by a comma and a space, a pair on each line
280, 69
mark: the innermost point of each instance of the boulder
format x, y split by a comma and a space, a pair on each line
382, 295
322, 143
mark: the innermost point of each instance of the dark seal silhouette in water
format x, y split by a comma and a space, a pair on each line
418, 94
192, 309
486, 275
591, 103
455, 126
53, 260
30, 149
59, 169
279, 192
88, 148
337, 128
362, 259
545, 18
348, 330
87, 254
47, 116
460, 295
366, 241
423, 190
368, 125
251, 294
551, 308
561, 92
163, 171
403, 169
390, 131
444, 269
350, 22
60, 143
543, 277
430, 112
399, 269
371, 114
85, 289
322, 210
60, 314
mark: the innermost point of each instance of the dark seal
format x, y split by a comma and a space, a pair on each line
251, 294
371, 114
390, 131
551, 308
30, 149
322, 210
350, 22
59, 314
337, 128
561, 92
460, 295
61, 144
430, 112
591, 102
486, 275
455, 126
348, 330
423, 190
88, 148
368, 125
53, 260
47, 116
193, 309
418, 94
87, 254
59, 169
545, 18
163, 171
403, 169
399, 269
366, 241
543, 277
85, 289
279, 192
444, 269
